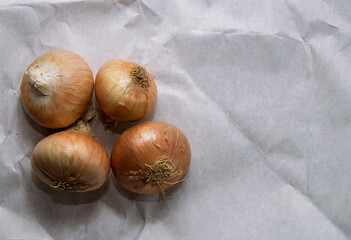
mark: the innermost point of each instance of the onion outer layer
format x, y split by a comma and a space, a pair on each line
72, 161
56, 88
125, 91
150, 157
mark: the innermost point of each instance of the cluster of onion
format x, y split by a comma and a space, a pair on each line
147, 158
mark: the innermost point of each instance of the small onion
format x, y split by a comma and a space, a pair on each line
125, 91
56, 88
150, 157
71, 160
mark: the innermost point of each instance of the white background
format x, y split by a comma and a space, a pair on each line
261, 88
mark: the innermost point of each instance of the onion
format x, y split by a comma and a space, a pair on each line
125, 91
71, 160
150, 157
56, 88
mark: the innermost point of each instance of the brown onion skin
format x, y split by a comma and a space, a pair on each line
143, 144
118, 97
74, 156
66, 103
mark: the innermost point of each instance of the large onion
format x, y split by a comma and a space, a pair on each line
125, 91
56, 88
150, 157
71, 160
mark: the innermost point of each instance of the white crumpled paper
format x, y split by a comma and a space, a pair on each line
261, 88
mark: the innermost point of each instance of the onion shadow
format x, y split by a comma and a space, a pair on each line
146, 207
120, 127
70, 198
40, 129
170, 193
55, 210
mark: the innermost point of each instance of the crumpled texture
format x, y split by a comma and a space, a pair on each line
261, 89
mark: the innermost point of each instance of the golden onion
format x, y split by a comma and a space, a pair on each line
125, 91
56, 88
150, 157
71, 160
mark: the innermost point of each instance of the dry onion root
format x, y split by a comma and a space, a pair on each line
150, 157
56, 88
71, 160
125, 91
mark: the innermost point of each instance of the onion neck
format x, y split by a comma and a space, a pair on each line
88, 114
43, 78
81, 126
139, 76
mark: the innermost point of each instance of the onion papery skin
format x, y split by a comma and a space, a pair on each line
125, 91
56, 88
144, 153
72, 161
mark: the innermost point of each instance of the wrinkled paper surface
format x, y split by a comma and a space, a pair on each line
261, 89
